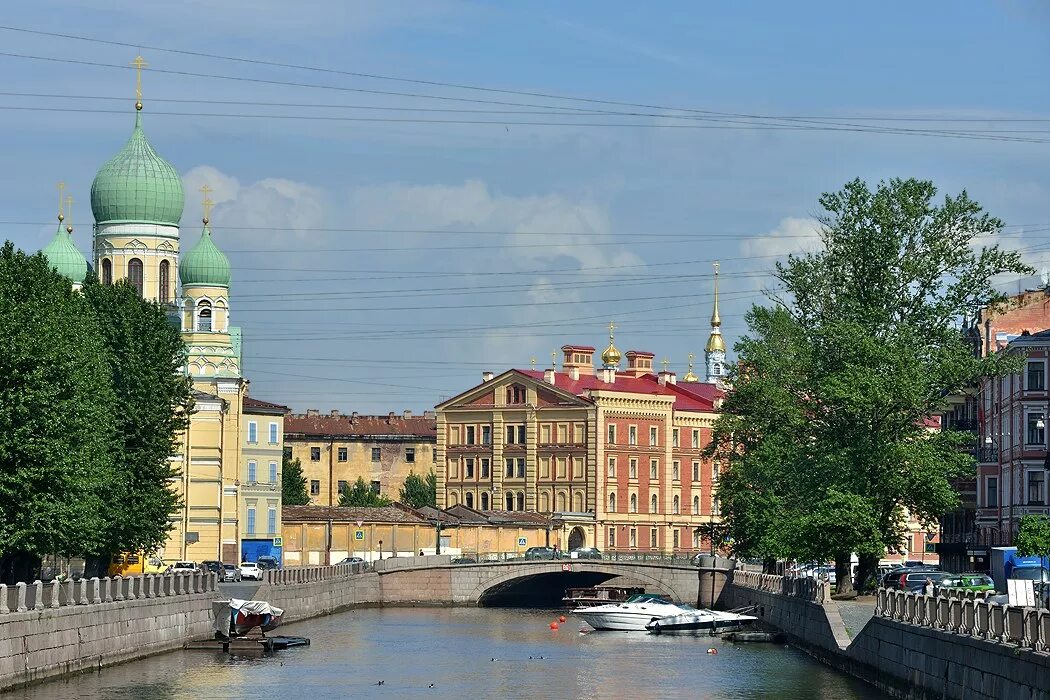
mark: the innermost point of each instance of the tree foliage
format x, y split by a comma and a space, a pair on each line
293, 483
823, 433
419, 491
1033, 536
361, 495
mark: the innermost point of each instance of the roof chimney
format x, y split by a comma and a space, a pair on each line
574, 373
580, 357
430, 415
334, 413
639, 363
608, 375
390, 417
353, 416
486, 376
548, 375
312, 412
668, 377
407, 414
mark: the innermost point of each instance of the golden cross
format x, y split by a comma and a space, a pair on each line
665, 362
207, 204
691, 358
612, 327
61, 187
554, 359
533, 361
717, 265
139, 64
69, 210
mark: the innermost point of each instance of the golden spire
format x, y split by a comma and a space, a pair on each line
715, 320
690, 376
611, 356
69, 209
715, 343
61, 216
207, 204
139, 64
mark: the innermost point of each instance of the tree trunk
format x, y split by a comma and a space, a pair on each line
843, 575
867, 568
17, 567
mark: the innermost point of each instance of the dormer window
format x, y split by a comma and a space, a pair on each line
204, 317
515, 394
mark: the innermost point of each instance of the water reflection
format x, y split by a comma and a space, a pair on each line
468, 652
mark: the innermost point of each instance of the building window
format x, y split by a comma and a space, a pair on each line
714, 473
410, 455
521, 470
1036, 479
484, 467
612, 434
632, 435
273, 472
612, 468
509, 471
714, 505
342, 454
315, 454
696, 505
675, 471
1036, 376
271, 521
273, 434
253, 432
577, 502
515, 434
632, 468
515, 394
510, 501
204, 317
696, 439
486, 435
470, 434
652, 538
251, 472
343, 485
991, 492
376, 486
468, 499
315, 487
164, 285
696, 471
107, 271
563, 434
674, 437
676, 536
652, 505
484, 501
377, 454
653, 467
562, 502
676, 505
612, 502
468, 468
652, 436
135, 274
634, 537
1036, 434
612, 538
634, 503
250, 528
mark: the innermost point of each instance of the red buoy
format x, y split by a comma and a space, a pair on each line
712, 651
561, 619
554, 625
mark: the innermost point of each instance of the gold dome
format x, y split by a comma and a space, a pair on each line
715, 343
611, 356
690, 376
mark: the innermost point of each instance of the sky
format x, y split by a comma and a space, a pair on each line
393, 235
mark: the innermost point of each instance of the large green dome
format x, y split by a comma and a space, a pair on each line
205, 265
65, 257
137, 185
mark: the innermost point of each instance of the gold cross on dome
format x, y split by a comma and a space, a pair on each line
139, 64
207, 204
533, 361
665, 362
61, 188
691, 358
612, 327
554, 359
69, 212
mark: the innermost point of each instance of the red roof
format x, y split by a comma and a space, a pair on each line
638, 353
361, 426
585, 348
249, 404
697, 397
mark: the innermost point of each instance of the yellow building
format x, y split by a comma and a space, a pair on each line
260, 480
335, 450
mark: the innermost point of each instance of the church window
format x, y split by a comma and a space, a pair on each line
107, 271
484, 501
696, 505
469, 500
163, 295
204, 316
135, 274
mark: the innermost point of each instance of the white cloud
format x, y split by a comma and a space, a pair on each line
791, 235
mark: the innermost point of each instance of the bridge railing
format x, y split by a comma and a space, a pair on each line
467, 557
56, 593
804, 587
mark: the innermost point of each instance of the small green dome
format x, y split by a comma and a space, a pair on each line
65, 257
205, 265
137, 185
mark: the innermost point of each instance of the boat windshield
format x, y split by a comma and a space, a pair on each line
646, 598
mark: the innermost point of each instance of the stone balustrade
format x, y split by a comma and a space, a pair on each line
23, 597
805, 587
308, 574
969, 614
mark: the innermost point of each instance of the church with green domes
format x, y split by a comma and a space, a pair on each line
234, 443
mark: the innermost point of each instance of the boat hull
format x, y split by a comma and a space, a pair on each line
699, 621
622, 621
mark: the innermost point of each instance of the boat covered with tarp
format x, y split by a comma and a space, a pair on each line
236, 618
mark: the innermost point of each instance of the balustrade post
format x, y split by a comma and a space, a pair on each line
3, 599
1030, 627
20, 593
70, 587
82, 596
1014, 625
96, 594
38, 595
969, 617
132, 584
981, 621
176, 584
56, 593
1042, 627
117, 582
997, 626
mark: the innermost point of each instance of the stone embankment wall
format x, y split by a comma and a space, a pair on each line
916, 647
56, 629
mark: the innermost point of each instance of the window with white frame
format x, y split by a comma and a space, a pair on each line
674, 437
675, 470
676, 505
696, 471
271, 520
274, 436
612, 434
251, 471
653, 507
1035, 434
253, 432
612, 468
632, 468
634, 503
696, 439
273, 473
653, 468
652, 436
250, 529
632, 435
612, 502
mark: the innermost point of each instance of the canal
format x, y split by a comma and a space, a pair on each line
468, 653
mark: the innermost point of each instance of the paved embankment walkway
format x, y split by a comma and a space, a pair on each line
856, 613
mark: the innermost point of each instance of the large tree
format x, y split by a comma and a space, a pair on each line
419, 491
146, 357
862, 347
361, 495
293, 483
56, 417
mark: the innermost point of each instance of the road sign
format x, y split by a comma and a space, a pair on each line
359, 535
1021, 592
360, 523
278, 541
566, 567
522, 541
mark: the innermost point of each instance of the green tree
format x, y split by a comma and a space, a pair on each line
293, 483
146, 357
419, 491
361, 495
867, 327
1033, 536
56, 417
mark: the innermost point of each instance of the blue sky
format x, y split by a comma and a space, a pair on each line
373, 319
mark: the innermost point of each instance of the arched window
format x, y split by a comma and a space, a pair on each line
521, 500
510, 501
634, 503
612, 502
696, 505
484, 501
545, 502
453, 499
204, 316
652, 504
561, 502
676, 505
577, 502
469, 500
135, 274
107, 271
163, 290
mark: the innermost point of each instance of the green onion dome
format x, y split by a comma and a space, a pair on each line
137, 185
205, 265
65, 257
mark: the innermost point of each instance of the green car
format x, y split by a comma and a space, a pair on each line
969, 582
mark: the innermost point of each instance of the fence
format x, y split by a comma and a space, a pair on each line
307, 574
804, 587
969, 615
38, 595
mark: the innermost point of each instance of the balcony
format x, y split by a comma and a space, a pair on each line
1035, 509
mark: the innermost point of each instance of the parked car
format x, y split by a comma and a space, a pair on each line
464, 560
969, 582
353, 560
230, 574
892, 577
268, 562
213, 566
535, 553
251, 570
184, 567
585, 553
915, 580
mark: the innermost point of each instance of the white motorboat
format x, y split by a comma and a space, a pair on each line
631, 615
713, 620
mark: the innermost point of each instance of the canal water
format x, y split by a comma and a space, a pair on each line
468, 653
